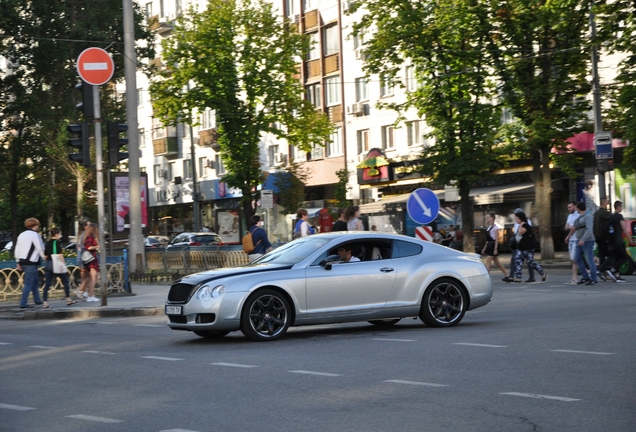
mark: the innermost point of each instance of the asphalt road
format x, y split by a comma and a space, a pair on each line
540, 357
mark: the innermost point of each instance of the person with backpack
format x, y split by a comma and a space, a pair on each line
601, 216
302, 228
256, 239
526, 240
616, 254
29, 248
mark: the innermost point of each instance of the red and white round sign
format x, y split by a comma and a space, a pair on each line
95, 66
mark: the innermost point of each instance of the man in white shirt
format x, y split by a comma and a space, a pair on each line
28, 251
571, 240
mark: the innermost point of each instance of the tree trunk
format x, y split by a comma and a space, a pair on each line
248, 210
543, 193
13, 203
467, 216
80, 194
49, 219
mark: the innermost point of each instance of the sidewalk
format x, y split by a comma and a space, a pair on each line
146, 300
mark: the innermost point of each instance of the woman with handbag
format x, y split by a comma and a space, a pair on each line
525, 246
84, 273
89, 258
54, 266
491, 248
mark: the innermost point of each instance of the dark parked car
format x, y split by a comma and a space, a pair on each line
185, 241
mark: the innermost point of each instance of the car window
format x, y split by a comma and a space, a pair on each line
294, 252
367, 250
206, 238
403, 249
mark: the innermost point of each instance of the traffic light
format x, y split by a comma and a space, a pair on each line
86, 105
81, 142
115, 143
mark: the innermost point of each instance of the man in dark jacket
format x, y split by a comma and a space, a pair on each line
600, 217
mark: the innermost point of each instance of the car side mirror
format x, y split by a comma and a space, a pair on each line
329, 261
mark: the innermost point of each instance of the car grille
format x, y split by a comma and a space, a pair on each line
178, 319
179, 293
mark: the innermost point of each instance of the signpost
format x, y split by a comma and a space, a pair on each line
603, 145
267, 199
424, 233
96, 67
423, 206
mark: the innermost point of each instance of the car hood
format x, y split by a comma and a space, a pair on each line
222, 273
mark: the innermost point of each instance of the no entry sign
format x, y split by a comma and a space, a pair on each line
95, 66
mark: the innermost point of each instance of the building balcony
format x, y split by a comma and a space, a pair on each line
165, 146
311, 19
332, 63
208, 138
335, 114
313, 69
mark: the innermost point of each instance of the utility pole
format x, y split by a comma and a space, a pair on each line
602, 165
101, 218
136, 239
196, 220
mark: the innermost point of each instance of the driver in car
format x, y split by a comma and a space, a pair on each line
345, 254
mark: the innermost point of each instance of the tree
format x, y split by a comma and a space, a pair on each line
290, 184
542, 62
242, 60
445, 42
340, 192
40, 42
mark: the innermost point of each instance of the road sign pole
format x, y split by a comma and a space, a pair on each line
101, 219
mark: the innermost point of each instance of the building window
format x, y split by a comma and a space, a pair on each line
387, 137
140, 97
220, 168
187, 169
142, 137
170, 173
331, 40
202, 166
332, 91
506, 116
413, 133
358, 41
273, 151
314, 50
317, 152
290, 8
386, 88
162, 8
334, 145
309, 5
208, 119
363, 141
362, 89
313, 94
412, 82
148, 10
177, 6
157, 171
158, 130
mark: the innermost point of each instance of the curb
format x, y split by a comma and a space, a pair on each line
84, 313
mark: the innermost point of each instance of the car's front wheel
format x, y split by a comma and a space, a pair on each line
444, 303
385, 322
266, 315
211, 334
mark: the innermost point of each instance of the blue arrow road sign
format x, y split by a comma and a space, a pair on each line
423, 206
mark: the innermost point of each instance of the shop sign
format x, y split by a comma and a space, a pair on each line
374, 168
405, 170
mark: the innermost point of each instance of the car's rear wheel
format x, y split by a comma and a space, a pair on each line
444, 303
266, 315
386, 322
210, 334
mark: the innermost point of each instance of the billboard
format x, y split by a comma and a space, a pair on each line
121, 202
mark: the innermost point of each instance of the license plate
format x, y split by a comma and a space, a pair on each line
174, 310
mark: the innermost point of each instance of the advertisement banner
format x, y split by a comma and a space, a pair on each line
626, 192
121, 203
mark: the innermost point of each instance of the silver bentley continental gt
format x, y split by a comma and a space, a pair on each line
332, 278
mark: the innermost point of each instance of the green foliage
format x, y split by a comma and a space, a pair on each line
290, 184
342, 187
242, 59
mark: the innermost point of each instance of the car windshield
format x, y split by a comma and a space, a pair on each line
294, 252
205, 239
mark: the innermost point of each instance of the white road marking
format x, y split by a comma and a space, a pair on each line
394, 340
629, 293
16, 407
95, 419
583, 352
42, 347
481, 345
539, 290
235, 365
178, 430
416, 383
162, 358
104, 322
315, 373
99, 352
147, 325
5, 343
538, 396
585, 292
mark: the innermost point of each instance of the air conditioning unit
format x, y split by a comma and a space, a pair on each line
163, 173
209, 163
356, 109
360, 55
280, 158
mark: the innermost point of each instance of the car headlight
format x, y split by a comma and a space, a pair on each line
206, 292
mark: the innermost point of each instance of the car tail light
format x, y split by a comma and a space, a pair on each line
195, 244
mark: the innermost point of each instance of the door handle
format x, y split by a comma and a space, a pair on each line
386, 269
